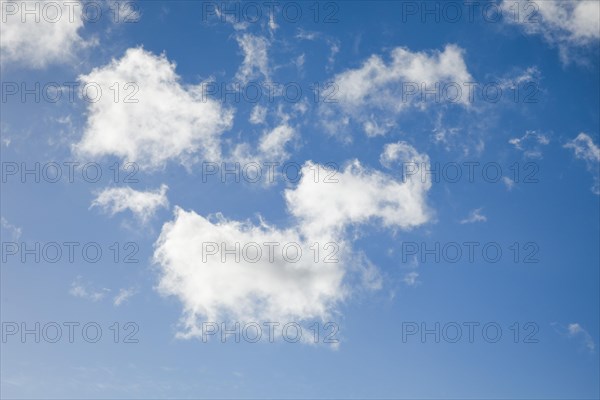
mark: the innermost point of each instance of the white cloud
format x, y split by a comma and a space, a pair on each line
399, 153
474, 216
530, 144
273, 143
258, 115
584, 149
217, 289
530, 74
142, 204
271, 147
82, 290
123, 295
411, 278
168, 122
509, 183
576, 330
243, 291
360, 195
53, 39
256, 59
14, 231
374, 94
566, 23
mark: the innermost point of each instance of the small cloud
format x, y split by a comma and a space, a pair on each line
142, 204
83, 290
530, 144
13, 231
474, 216
411, 278
258, 114
256, 59
509, 183
584, 149
123, 295
575, 330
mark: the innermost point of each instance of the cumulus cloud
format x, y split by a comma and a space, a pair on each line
270, 289
568, 24
157, 119
530, 144
584, 149
376, 92
360, 195
142, 204
51, 36
215, 286
474, 216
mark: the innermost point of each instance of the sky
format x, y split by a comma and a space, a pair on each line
335, 199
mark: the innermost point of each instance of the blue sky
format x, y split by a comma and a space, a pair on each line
387, 134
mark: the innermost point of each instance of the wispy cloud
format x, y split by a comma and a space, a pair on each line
124, 295
577, 331
474, 216
584, 149
13, 231
85, 291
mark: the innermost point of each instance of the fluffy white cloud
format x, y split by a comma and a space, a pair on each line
474, 216
375, 93
161, 121
584, 148
268, 290
358, 196
213, 286
565, 23
51, 36
142, 204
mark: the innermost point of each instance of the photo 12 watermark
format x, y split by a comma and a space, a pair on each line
469, 332
270, 332
27, 11
69, 332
